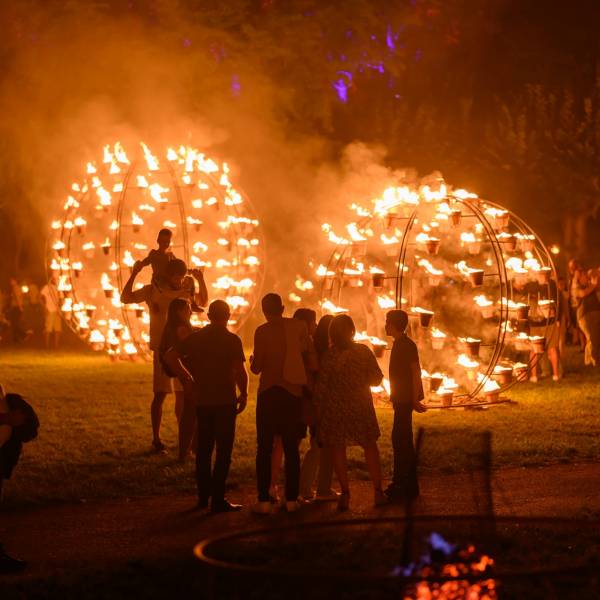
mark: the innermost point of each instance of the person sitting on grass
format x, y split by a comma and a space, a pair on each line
210, 364
12, 420
406, 394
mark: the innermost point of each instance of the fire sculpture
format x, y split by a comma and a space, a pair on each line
111, 219
478, 284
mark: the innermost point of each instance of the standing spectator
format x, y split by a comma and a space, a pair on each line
158, 300
406, 394
177, 328
309, 317
345, 404
318, 462
214, 367
588, 314
15, 311
577, 336
52, 318
281, 349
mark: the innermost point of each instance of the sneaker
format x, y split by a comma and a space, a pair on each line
533, 379
262, 508
10, 565
292, 506
225, 506
330, 496
555, 377
159, 448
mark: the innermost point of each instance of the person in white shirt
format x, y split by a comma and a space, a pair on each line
52, 319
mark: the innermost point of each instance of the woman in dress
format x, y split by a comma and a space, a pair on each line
177, 328
318, 460
345, 405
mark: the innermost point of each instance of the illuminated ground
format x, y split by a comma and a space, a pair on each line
95, 432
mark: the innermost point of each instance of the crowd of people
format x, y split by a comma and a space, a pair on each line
28, 311
314, 380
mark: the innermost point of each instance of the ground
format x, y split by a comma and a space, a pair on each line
97, 515
94, 440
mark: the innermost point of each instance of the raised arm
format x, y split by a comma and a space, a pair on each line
128, 295
201, 296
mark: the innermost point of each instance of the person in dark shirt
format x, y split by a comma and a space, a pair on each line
406, 395
210, 364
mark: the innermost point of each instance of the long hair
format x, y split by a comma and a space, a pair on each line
322, 335
174, 320
341, 332
308, 315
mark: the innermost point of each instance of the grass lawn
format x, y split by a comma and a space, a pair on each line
95, 430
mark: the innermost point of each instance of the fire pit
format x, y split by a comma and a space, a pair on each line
111, 219
466, 557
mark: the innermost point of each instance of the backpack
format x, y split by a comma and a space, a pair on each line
29, 430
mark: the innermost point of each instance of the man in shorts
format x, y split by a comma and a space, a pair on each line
177, 285
52, 318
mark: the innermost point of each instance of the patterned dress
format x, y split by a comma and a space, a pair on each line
343, 396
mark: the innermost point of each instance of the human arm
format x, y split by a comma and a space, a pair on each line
258, 355
374, 374
417, 387
173, 359
201, 296
128, 295
241, 381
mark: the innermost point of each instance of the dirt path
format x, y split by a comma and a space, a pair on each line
65, 539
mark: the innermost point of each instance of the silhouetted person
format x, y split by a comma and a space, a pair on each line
177, 328
52, 317
158, 300
210, 363
345, 405
318, 462
281, 347
406, 394
15, 312
159, 258
18, 424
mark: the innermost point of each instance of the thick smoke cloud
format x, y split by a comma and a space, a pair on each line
77, 80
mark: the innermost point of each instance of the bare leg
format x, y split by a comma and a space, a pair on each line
178, 406
340, 466
56, 339
47, 339
373, 464
554, 358
156, 415
187, 424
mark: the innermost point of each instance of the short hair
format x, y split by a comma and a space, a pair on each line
165, 232
341, 331
176, 267
272, 304
308, 315
398, 318
219, 310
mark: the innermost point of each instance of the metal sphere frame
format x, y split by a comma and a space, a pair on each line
475, 208
183, 250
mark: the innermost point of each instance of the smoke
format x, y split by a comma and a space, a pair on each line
79, 78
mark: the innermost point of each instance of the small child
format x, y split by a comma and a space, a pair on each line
159, 258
